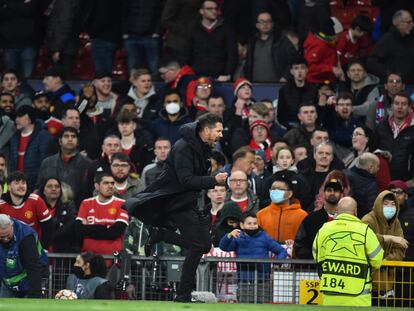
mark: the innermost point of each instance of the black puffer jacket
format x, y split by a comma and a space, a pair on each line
63, 27
22, 23
142, 17
393, 53
185, 172
401, 148
212, 54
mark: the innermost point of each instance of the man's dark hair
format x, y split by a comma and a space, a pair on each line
208, 120
16, 176
170, 92
242, 152
389, 73
12, 71
320, 129
279, 140
125, 117
345, 96
100, 176
389, 196
218, 157
162, 138
306, 104
68, 129
215, 94
2, 155
7, 94
363, 22
204, 1
356, 61
284, 180
96, 262
122, 157
168, 62
66, 109
403, 94
298, 60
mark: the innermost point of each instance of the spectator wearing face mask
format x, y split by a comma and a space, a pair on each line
227, 219
171, 117
282, 218
383, 220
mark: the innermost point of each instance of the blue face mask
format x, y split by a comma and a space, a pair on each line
389, 212
277, 196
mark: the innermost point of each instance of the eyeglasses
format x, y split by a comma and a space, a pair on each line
238, 180
120, 165
204, 86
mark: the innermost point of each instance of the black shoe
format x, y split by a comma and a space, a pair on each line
187, 299
153, 237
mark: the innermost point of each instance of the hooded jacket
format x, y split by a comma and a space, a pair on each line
163, 127
185, 173
281, 221
376, 220
221, 228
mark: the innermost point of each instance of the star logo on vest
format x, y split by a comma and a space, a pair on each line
28, 214
347, 241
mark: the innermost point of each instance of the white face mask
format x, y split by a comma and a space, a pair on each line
172, 108
389, 211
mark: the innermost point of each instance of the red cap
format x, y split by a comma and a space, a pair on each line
397, 184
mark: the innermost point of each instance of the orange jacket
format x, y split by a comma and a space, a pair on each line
281, 221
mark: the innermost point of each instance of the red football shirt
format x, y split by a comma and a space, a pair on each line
102, 213
243, 203
23, 143
33, 211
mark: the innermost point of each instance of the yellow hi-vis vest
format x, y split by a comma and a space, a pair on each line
344, 250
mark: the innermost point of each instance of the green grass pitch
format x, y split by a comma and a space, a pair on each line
112, 305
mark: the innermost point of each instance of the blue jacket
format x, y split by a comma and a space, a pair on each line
163, 127
13, 273
35, 152
257, 247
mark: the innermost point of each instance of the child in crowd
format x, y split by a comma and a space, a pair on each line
252, 242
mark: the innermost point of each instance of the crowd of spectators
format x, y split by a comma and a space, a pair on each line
341, 125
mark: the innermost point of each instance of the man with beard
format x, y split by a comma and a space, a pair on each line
101, 221
41, 104
69, 166
22, 257
27, 207
127, 184
171, 200
106, 98
7, 105
333, 192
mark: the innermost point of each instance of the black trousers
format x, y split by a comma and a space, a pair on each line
194, 237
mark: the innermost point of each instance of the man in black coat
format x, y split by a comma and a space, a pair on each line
171, 201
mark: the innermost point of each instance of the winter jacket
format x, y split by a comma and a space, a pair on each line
163, 127
76, 173
321, 57
393, 53
179, 18
340, 130
290, 97
307, 232
281, 221
253, 201
401, 148
61, 99
142, 17
257, 246
134, 186
7, 129
212, 53
22, 23
364, 189
282, 53
220, 228
152, 109
34, 155
97, 13
377, 222
298, 135
63, 27
363, 97
185, 173
406, 218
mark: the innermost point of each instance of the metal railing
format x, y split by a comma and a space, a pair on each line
240, 280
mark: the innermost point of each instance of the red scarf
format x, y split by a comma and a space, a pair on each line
397, 129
